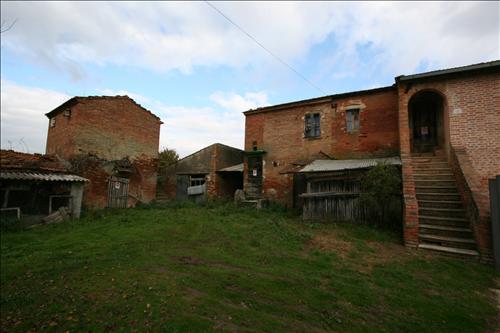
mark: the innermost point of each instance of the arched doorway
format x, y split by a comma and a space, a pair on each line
426, 122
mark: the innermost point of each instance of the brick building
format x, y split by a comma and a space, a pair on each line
444, 125
215, 171
113, 142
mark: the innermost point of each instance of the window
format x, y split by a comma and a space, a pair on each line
312, 127
52, 122
197, 180
352, 120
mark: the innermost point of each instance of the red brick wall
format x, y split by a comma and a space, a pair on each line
281, 134
109, 128
61, 137
472, 124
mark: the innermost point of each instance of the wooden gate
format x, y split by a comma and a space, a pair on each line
117, 192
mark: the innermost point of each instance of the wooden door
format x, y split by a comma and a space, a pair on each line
117, 192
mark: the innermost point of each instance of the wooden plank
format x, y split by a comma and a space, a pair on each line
329, 194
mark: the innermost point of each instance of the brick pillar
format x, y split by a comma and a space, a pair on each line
213, 182
410, 211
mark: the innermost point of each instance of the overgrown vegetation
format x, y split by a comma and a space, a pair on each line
166, 157
186, 268
382, 195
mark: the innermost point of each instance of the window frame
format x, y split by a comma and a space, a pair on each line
352, 123
312, 125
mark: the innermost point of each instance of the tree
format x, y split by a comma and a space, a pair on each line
166, 157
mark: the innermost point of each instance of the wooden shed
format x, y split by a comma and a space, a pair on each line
333, 188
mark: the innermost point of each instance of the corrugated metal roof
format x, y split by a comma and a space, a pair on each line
233, 168
338, 165
41, 176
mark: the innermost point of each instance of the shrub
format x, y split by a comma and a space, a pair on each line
381, 195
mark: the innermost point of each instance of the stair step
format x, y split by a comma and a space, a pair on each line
449, 250
444, 240
443, 212
440, 204
423, 168
437, 164
432, 176
438, 196
427, 161
430, 170
435, 189
446, 221
435, 183
439, 218
447, 239
444, 228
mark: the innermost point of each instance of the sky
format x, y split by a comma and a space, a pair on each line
198, 71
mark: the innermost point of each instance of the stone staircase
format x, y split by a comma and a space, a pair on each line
443, 223
161, 196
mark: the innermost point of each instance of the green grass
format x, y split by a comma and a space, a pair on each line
217, 268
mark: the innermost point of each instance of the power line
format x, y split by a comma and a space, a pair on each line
265, 48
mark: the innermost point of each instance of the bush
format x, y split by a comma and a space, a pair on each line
382, 195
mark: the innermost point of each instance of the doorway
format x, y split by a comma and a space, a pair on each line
254, 177
426, 122
117, 192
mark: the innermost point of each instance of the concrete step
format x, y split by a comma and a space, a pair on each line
438, 196
430, 165
433, 176
435, 189
427, 160
442, 212
445, 221
440, 204
450, 250
454, 242
435, 182
446, 231
419, 170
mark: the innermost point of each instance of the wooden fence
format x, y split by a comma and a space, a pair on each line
335, 197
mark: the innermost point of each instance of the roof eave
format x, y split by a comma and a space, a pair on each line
318, 100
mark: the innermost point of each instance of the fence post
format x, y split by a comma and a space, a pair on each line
494, 185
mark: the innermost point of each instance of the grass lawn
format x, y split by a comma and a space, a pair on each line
218, 268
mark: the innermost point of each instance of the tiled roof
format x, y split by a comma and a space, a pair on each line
74, 100
29, 175
14, 160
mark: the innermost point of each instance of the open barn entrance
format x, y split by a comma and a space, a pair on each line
426, 122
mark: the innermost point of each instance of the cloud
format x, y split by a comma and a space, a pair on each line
163, 36
186, 129
238, 103
190, 129
23, 124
